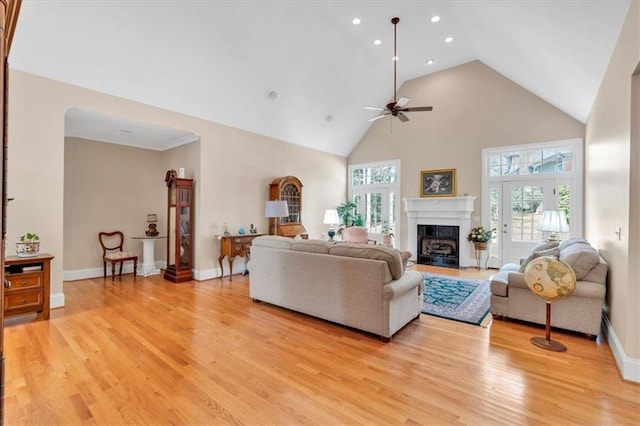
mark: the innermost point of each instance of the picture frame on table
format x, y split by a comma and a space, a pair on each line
438, 183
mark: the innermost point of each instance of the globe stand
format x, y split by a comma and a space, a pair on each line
552, 279
547, 343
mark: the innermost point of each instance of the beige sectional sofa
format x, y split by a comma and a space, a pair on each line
360, 286
581, 312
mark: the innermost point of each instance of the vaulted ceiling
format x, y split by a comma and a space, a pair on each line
301, 71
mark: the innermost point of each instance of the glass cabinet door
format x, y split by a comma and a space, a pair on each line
180, 228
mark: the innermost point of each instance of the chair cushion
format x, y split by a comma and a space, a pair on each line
119, 255
356, 235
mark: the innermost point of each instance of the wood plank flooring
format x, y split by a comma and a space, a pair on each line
147, 351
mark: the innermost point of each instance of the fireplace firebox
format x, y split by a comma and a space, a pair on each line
438, 245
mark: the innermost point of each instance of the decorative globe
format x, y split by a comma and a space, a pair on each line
550, 278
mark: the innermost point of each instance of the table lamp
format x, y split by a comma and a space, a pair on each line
553, 221
331, 218
276, 209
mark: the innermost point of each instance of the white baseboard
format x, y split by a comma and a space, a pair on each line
83, 274
629, 367
56, 300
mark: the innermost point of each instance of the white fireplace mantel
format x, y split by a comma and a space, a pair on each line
450, 211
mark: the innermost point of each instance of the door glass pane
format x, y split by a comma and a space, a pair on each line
373, 211
185, 250
527, 207
494, 222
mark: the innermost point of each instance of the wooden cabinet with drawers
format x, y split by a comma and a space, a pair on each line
232, 246
26, 285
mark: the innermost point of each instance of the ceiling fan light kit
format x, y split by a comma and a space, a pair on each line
397, 107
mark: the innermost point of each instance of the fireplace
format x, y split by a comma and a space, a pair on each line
438, 245
448, 212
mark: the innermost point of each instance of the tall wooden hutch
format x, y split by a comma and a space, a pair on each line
9, 11
289, 189
180, 228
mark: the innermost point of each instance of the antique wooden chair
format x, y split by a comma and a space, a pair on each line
113, 253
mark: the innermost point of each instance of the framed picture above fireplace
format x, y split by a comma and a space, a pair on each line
438, 183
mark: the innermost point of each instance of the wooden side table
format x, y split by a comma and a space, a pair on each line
26, 285
232, 246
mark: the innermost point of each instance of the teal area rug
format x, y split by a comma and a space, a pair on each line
456, 298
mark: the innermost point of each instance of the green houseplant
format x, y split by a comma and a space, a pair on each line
349, 216
480, 236
28, 245
387, 234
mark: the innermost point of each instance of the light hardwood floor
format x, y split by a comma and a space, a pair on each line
147, 351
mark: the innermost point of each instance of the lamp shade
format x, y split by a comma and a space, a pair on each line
276, 209
152, 217
554, 221
331, 217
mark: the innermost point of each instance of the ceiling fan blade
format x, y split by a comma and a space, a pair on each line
428, 108
403, 117
374, 108
402, 102
378, 117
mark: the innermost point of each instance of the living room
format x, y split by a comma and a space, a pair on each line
475, 108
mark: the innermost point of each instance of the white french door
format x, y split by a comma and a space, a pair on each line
523, 203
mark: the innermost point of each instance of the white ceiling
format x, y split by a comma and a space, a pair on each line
217, 60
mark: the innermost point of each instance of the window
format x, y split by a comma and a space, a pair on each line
374, 188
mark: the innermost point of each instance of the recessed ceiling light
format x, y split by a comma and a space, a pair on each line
430, 61
435, 18
448, 39
356, 21
377, 42
271, 95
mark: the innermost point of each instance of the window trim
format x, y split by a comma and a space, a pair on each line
393, 187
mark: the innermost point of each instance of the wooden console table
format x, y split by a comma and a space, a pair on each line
26, 285
232, 246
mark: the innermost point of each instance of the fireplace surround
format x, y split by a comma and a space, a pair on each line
444, 211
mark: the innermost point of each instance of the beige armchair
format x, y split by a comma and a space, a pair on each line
356, 234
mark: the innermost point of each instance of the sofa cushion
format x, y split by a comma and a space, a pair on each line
546, 245
273, 241
581, 257
390, 255
571, 241
554, 251
312, 246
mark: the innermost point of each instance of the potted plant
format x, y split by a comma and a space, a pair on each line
387, 234
349, 216
480, 236
28, 245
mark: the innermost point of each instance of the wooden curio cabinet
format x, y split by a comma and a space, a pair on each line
289, 189
179, 228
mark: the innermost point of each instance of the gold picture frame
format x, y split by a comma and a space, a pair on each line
438, 183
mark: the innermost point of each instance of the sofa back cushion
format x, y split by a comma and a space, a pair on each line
273, 241
312, 246
553, 251
390, 255
582, 257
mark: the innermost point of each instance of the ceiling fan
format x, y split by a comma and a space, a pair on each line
397, 107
